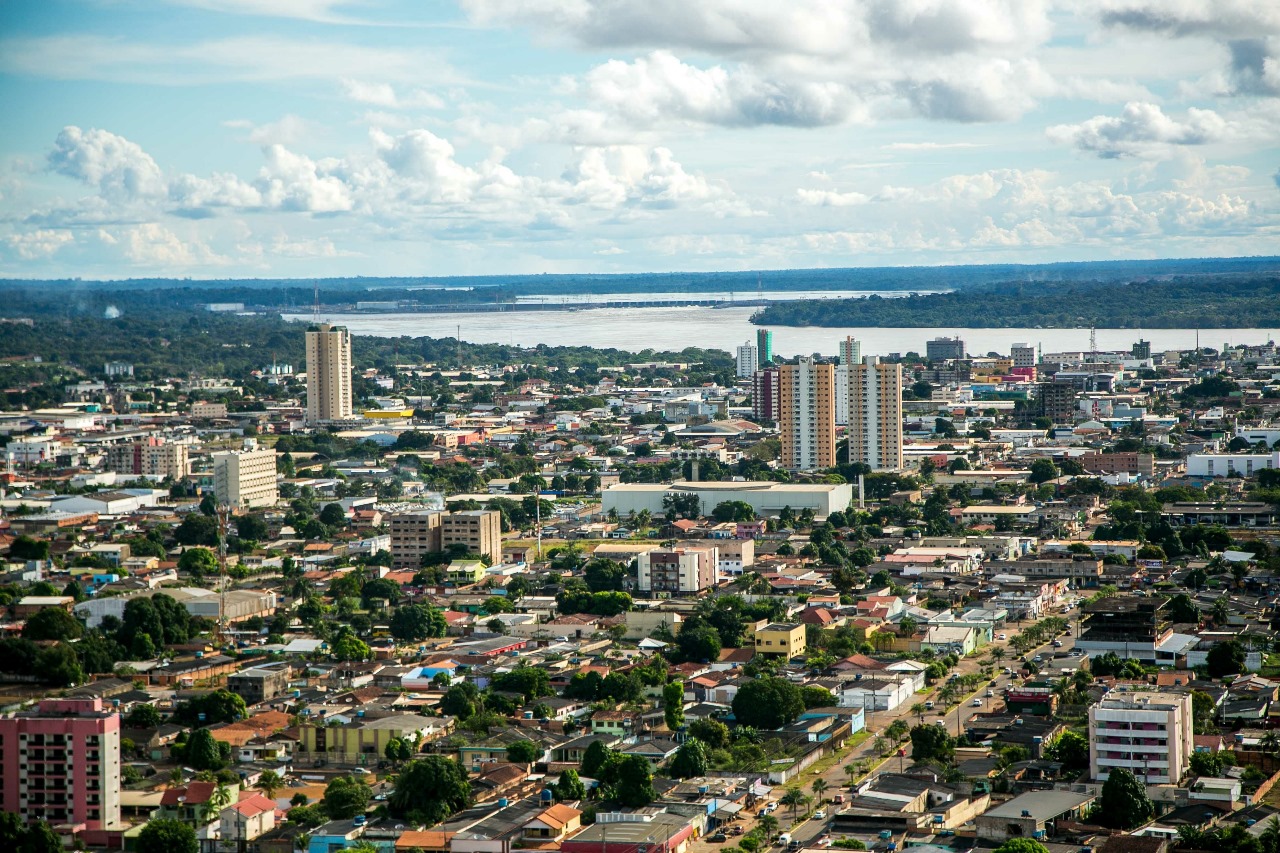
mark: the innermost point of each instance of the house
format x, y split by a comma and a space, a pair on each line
785, 639
245, 820
554, 823
1034, 814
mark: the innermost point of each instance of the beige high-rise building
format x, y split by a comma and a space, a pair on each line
479, 530
875, 414
245, 479
1149, 734
328, 374
414, 534
806, 415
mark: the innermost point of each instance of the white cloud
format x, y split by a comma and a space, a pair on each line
155, 246
120, 169
295, 182
385, 95
831, 198
1140, 128
39, 244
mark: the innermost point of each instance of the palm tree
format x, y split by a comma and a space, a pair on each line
795, 798
270, 782
219, 799
997, 654
769, 824
852, 770
918, 709
175, 777
818, 787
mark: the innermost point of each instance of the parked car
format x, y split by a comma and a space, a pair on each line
1002, 636
719, 838
1057, 644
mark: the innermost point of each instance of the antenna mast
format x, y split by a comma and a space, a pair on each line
315, 304
224, 514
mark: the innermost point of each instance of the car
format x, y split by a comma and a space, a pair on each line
1057, 644
784, 838
1008, 671
772, 807
380, 798
1002, 636
990, 693
928, 706
718, 838
1038, 658
793, 844
820, 814
977, 703
825, 841
838, 799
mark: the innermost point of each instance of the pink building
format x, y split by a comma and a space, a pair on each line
62, 763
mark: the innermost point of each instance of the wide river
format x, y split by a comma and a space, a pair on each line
673, 329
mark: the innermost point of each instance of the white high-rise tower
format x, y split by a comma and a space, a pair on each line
328, 374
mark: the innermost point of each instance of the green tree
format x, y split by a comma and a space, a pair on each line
142, 717
1123, 803
27, 548
52, 623
379, 588
1070, 748
198, 562
398, 750
768, 703
814, 696
523, 752
202, 752
1183, 609
673, 705
429, 790
497, 604
39, 837
1207, 763
252, 528
690, 760
347, 646
570, 786
529, 681
1225, 659
345, 797
416, 622
59, 666
795, 798
603, 575
333, 515
595, 759
1043, 470
699, 641
461, 700
713, 733
220, 706
268, 783
931, 743
167, 836
1022, 845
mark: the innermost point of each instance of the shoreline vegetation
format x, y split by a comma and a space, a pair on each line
1204, 301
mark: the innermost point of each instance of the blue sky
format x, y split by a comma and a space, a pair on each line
215, 138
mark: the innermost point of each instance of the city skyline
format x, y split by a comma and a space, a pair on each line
325, 138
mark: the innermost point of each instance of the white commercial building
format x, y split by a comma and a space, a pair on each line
765, 498
1023, 355
1230, 464
245, 478
1147, 733
328, 374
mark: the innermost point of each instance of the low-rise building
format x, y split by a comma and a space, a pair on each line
786, 639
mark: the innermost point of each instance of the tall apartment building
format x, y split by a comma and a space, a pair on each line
875, 414
764, 347
764, 395
1055, 401
328, 374
748, 360
480, 530
62, 763
677, 570
1147, 733
1023, 355
153, 457
245, 479
414, 534
943, 349
850, 353
806, 415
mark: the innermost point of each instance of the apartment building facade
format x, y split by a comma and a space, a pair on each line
62, 763
677, 570
806, 415
246, 479
414, 534
786, 639
152, 457
480, 531
1147, 733
764, 395
748, 361
875, 414
328, 374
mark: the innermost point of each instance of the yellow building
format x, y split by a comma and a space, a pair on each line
466, 571
781, 638
361, 741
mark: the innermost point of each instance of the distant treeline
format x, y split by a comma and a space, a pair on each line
299, 293
1215, 300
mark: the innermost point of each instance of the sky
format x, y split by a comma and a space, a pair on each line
309, 138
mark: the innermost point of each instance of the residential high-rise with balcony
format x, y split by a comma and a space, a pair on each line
806, 415
62, 763
328, 374
764, 395
875, 414
677, 570
152, 457
478, 530
748, 360
1147, 733
414, 534
764, 347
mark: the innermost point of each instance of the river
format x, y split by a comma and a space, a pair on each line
673, 329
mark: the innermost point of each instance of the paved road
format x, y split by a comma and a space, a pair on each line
808, 831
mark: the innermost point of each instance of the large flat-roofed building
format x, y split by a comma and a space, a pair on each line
786, 639
1118, 463
766, 499
245, 479
1145, 732
806, 415
677, 570
414, 534
875, 414
944, 349
480, 530
62, 763
260, 683
328, 374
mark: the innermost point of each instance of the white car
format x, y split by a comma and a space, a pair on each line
977, 703
820, 814
1002, 636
